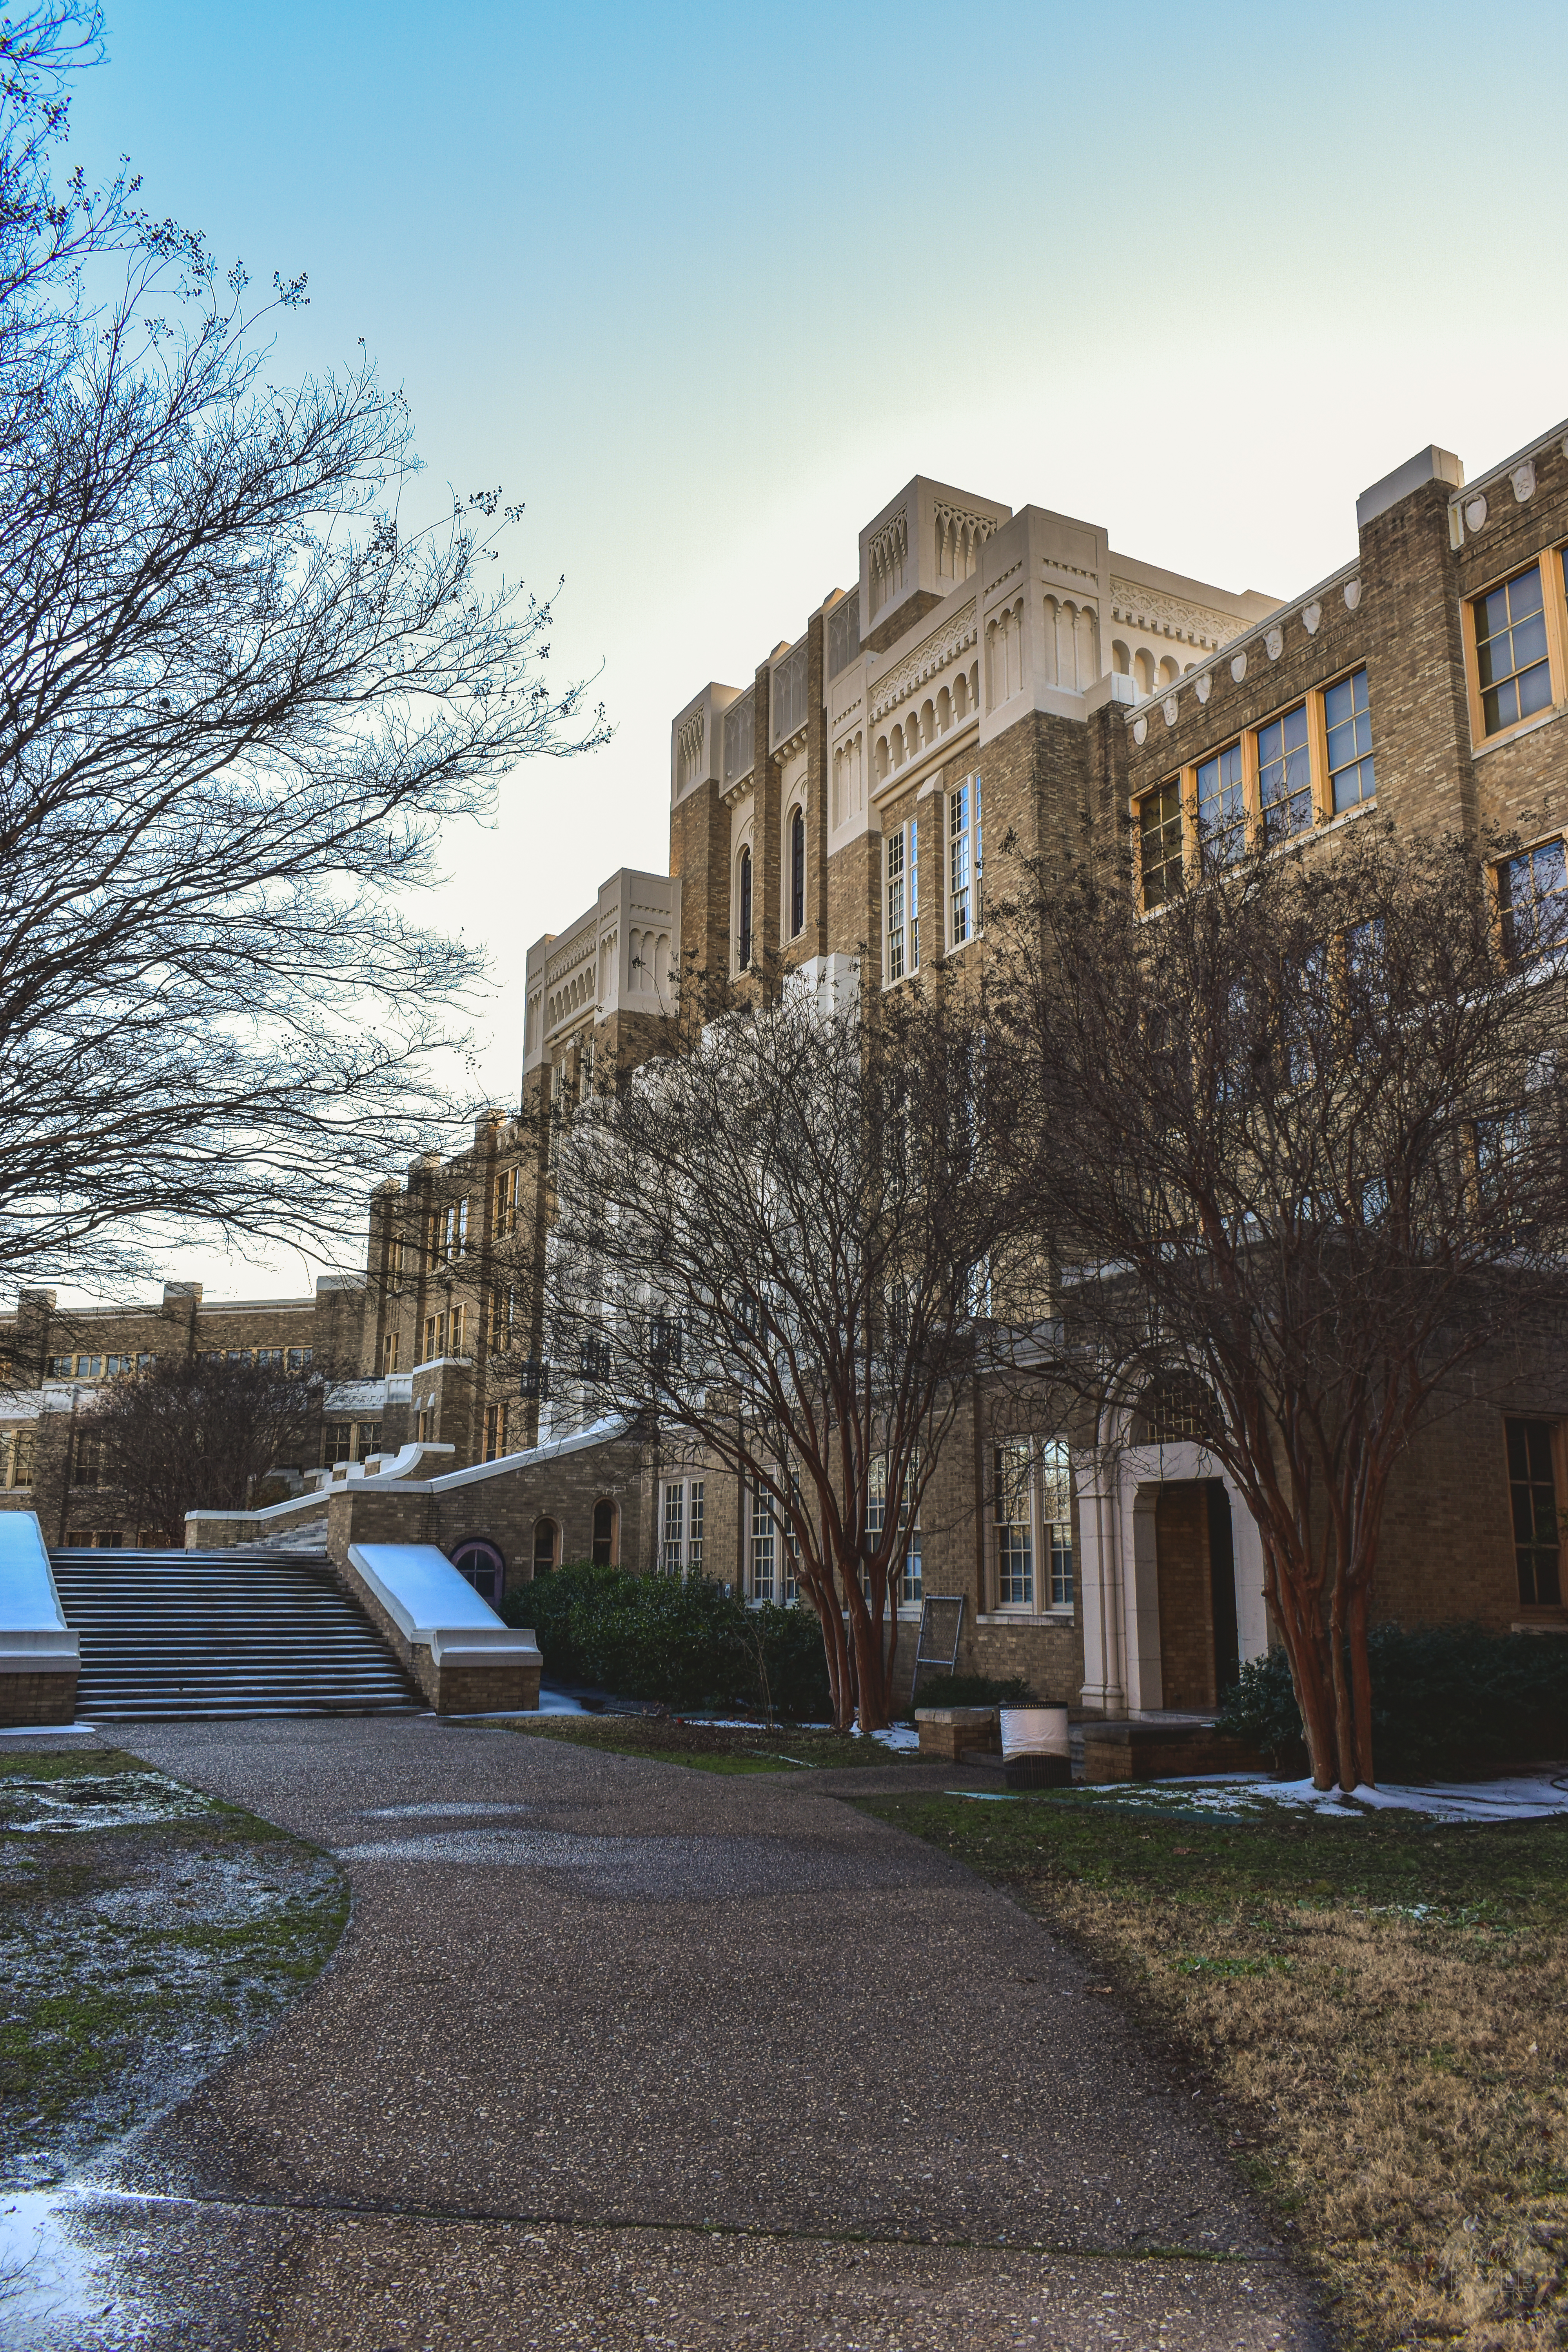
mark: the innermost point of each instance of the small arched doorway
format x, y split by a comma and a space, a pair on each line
606, 1517
478, 1563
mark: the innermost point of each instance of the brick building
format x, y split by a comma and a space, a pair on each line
56, 1359
989, 684
991, 680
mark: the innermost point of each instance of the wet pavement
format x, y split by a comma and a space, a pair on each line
622, 2053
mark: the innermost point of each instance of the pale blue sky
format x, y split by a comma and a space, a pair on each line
705, 287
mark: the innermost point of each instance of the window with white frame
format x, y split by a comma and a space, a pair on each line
1032, 1524
965, 863
681, 1526
764, 1543
901, 855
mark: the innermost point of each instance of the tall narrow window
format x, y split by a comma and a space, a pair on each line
743, 946
1055, 1520
1285, 775
893, 855
675, 1527
1537, 1535
1160, 843
603, 1535
966, 913
694, 1534
915, 894
761, 1543
1222, 813
1015, 1528
1348, 718
1511, 652
797, 874
495, 1432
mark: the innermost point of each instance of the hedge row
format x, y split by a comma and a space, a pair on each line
677, 1639
1442, 1697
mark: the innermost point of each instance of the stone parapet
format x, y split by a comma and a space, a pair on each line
447, 1640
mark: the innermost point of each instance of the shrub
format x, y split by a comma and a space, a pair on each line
676, 1639
1442, 1696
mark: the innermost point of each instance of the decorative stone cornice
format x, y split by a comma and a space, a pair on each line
1151, 609
922, 662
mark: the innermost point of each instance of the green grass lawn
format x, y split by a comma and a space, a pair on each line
1381, 2003
145, 1931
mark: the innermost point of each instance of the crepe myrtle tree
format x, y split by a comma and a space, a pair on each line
243, 685
1298, 1140
775, 1242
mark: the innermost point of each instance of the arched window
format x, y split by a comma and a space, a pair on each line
797, 874
481, 1565
603, 1534
743, 953
545, 1535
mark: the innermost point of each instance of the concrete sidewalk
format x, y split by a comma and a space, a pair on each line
618, 2052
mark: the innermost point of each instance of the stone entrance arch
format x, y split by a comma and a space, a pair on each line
1120, 1489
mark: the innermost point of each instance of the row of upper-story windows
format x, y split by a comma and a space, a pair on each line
1309, 763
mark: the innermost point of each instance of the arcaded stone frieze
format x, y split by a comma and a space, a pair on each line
933, 653
1151, 608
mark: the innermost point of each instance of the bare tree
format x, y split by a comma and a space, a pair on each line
239, 695
775, 1243
1298, 1140
199, 1432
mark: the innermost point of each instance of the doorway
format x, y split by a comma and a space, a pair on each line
1195, 1572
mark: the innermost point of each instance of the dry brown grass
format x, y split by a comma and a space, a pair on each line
1393, 2055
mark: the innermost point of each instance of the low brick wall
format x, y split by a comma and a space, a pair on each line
1161, 1751
38, 1698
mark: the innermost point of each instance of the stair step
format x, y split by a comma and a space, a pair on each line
216, 1636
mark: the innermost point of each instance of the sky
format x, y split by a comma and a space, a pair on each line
703, 287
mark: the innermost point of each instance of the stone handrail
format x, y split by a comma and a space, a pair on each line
450, 1642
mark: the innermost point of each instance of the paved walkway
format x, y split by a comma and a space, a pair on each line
620, 2053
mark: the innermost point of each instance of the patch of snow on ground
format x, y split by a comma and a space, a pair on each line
1525, 1797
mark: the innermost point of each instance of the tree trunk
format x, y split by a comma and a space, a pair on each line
1361, 1686
1344, 1712
1300, 1630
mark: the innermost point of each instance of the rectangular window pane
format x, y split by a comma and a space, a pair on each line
762, 1544
1348, 718
914, 887
958, 927
894, 854
694, 1544
1056, 1518
1160, 842
1510, 651
1532, 900
1284, 775
1015, 1532
1537, 1533
674, 1527
1222, 813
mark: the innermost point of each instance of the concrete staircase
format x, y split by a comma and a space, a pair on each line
217, 1633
